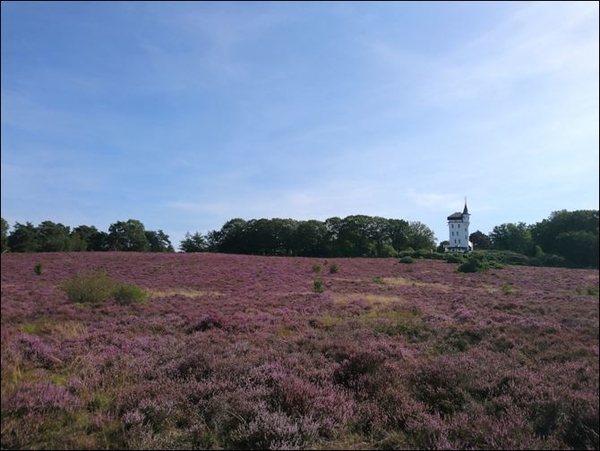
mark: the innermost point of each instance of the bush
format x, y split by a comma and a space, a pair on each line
316, 268
333, 269
409, 252
507, 257
455, 258
474, 263
91, 288
507, 288
553, 260
318, 286
38, 268
96, 287
406, 259
127, 294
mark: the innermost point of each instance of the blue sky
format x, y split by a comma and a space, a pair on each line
185, 115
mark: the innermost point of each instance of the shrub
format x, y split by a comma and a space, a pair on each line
406, 259
127, 294
474, 263
333, 269
96, 287
318, 286
92, 288
406, 252
38, 268
378, 279
591, 291
316, 268
507, 288
455, 258
506, 257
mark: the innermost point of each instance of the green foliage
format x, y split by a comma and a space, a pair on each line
38, 268
318, 286
513, 237
421, 253
406, 259
566, 239
569, 235
474, 263
579, 247
378, 280
316, 268
23, 238
91, 288
128, 294
96, 287
411, 328
506, 257
590, 291
507, 288
442, 246
193, 243
409, 252
333, 269
158, 241
4, 228
421, 236
455, 258
352, 236
128, 235
435, 256
311, 238
480, 240
83, 238
52, 237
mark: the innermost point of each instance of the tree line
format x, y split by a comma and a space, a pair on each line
48, 236
565, 238
352, 236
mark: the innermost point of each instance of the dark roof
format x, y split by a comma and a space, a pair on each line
457, 215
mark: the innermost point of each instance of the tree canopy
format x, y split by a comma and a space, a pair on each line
48, 236
564, 238
352, 236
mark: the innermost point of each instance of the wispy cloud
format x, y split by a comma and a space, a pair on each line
190, 114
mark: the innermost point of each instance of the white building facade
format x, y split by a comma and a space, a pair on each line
458, 228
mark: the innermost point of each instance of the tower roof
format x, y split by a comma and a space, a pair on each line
458, 215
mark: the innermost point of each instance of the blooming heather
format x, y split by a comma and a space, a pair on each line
234, 351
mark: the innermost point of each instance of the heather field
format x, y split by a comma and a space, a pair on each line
248, 352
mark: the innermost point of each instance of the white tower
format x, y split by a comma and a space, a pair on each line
458, 228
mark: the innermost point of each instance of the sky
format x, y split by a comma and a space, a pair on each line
184, 115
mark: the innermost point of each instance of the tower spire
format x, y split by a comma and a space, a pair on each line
465, 210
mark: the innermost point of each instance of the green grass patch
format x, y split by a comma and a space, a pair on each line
507, 288
590, 291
